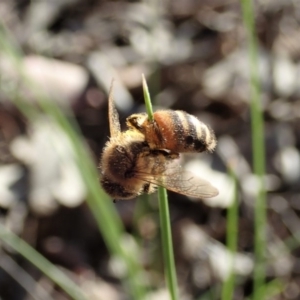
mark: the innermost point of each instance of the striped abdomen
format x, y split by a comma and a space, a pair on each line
179, 132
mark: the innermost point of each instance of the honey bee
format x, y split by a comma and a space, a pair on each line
176, 131
130, 167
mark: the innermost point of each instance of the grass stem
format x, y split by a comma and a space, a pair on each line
258, 148
231, 237
165, 222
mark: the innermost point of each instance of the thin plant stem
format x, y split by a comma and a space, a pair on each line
231, 237
147, 98
165, 223
258, 148
168, 251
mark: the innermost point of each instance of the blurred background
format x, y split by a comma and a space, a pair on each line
194, 55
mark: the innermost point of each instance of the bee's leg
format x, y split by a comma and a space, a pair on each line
145, 152
146, 188
173, 155
149, 188
164, 152
169, 154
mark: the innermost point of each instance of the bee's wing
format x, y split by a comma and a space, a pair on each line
187, 183
184, 182
113, 116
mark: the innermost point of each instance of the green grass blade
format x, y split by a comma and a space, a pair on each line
231, 237
272, 289
34, 289
165, 221
258, 149
167, 244
41, 263
147, 99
